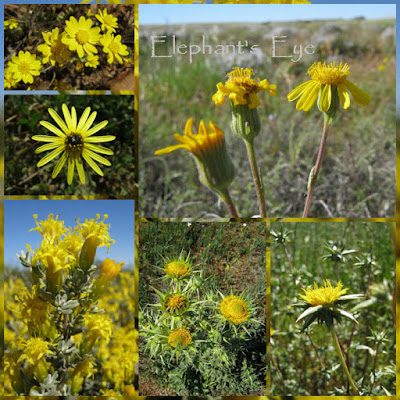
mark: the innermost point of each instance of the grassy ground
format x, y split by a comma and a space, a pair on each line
306, 363
22, 116
232, 257
358, 172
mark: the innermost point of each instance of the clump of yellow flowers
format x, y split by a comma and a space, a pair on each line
71, 329
86, 41
195, 330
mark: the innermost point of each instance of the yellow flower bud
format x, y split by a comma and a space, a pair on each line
208, 147
88, 253
110, 269
129, 390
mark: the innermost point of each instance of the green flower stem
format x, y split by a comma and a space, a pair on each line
226, 197
315, 170
342, 360
256, 177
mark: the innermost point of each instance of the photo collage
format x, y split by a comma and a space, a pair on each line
203, 200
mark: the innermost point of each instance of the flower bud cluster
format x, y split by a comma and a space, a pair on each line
59, 333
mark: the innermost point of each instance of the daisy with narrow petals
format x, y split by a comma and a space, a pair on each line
108, 21
24, 67
214, 166
113, 47
75, 141
242, 89
80, 36
331, 80
325, 303
327, 294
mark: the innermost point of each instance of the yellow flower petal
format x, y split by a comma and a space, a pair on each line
326, 97
359, 96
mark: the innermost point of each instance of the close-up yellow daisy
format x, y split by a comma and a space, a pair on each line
213, 164
24, 67
242, 89
53, 49
80, 36
179, 337
175, 303
329, 82
325, 303
113, 47
75, 141
177, 269
234, 309
327, 294
197, 143
108, 21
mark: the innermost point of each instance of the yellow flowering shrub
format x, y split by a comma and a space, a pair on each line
69, 327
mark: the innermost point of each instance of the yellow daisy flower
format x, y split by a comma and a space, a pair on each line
24, 67
177, 269
34, 350
97, 230
324, 295
176, 303
208, 147
234, 309
53, 49
198, 143
328, 81
80, 36
108, 21
52, 256
180, 337
113, 47
242, 89
75, 141
10, 23
92, 61
98, 325
51, 229
9, 81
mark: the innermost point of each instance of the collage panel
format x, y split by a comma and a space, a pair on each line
233, 112
70, 305
202, 309
68, 47
70, 144
247, 110
333, 309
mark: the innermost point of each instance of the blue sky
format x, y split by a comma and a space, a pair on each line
18, 220
195, 13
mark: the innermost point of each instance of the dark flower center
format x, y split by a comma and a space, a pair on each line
74, 144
